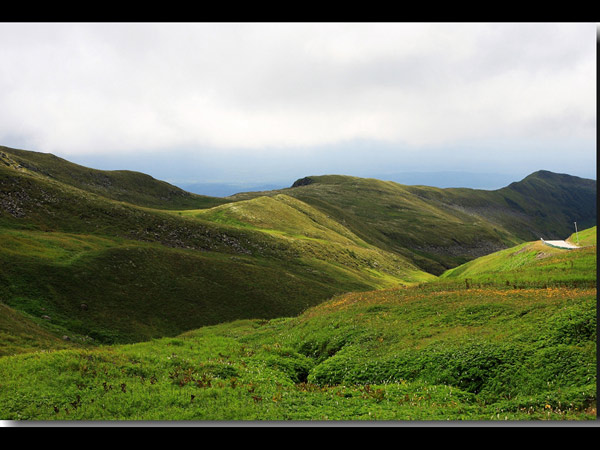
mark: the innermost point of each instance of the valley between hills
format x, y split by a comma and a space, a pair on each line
123, 297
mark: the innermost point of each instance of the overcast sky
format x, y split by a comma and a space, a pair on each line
278, 101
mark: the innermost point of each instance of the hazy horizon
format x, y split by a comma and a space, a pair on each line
268, 103
487, 181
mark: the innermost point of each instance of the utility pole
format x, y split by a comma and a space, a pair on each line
576, 232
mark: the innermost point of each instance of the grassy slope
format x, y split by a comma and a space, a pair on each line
122, 185
389, 216
427, 352
313, 236
136, 290
147, 273
555, 201
533, 263
21, 333
442, 228
281, 214
584, 238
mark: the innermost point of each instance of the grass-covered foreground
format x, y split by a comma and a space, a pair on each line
417, 353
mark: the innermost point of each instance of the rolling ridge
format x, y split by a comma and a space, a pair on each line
337, 298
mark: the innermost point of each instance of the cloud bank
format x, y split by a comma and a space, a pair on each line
296, 90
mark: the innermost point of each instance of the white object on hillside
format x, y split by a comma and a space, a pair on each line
560, 244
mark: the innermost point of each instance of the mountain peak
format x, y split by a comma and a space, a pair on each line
303, 182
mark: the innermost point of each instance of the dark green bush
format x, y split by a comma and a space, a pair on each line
326, 344
470, 367
573, 325
335, 370
291, 363
474, 366
565, 365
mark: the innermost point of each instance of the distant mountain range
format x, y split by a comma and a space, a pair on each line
448, 179
227, 189
452, 179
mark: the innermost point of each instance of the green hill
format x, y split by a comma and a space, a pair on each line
310, 234
533, 264
284, 215
136, 290
439, 229
21, 333
145, 273
122, 185
584, 238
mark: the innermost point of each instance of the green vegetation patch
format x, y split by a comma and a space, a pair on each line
584, 238
531, 264
96, 289
439, 229
369, 356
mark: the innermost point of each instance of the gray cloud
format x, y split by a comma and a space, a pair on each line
296, 90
